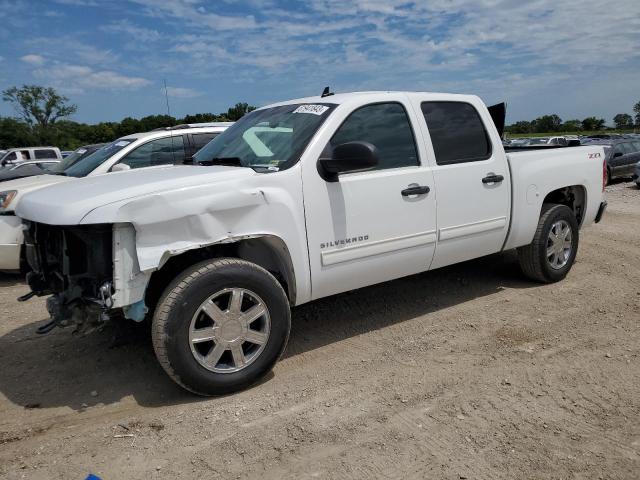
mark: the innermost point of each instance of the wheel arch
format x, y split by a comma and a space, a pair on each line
573, 196
268, 251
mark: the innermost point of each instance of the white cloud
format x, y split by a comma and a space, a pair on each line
33, 59
81, 78
69, 49
182, 92
138, 33
191, 12
78, 3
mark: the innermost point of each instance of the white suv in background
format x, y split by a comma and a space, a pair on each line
17, 155
174, 145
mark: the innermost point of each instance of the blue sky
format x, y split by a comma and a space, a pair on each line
573, 58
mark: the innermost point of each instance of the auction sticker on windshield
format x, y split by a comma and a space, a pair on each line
314, 109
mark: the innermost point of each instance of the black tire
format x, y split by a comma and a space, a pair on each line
180, 301
533, 257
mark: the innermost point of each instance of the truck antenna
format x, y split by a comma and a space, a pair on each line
326, 92
166, 96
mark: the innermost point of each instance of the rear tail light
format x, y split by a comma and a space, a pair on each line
604, 174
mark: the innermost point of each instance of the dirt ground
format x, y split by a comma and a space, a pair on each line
464, 372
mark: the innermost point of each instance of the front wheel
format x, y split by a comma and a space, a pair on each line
220, 326
549, 257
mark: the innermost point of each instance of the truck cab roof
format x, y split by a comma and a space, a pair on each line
343, 98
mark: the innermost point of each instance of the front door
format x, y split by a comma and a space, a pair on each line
368, 227
472, 181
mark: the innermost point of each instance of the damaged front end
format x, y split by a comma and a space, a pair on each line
73, 264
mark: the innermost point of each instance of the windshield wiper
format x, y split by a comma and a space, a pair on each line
226, 161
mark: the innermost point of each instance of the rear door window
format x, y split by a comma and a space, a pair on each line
628, 147
162, 151
457, 132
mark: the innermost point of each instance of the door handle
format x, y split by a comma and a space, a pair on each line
493, 178
416, 190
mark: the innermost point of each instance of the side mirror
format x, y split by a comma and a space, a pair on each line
617, 154
348, 157
120, 167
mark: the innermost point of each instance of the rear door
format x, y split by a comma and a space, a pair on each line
629, 159
619, 159
472, 180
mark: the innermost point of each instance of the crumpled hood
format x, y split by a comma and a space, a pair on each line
69, 203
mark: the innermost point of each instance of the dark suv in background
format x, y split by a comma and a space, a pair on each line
621, 155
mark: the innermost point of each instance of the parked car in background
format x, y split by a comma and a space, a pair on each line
298, 201
26, 169
548, 141
31, 168
16, 155
176, 145
621, 157
66, 153
636, 174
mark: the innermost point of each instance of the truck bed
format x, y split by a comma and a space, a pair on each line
532, 172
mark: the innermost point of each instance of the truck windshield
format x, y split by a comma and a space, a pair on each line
270, 139
88, 164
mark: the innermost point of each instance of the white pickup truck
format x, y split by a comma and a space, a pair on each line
297, 201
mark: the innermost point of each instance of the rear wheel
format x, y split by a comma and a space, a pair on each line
555, 244
220, 326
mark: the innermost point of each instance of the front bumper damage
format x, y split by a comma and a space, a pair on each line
72, 264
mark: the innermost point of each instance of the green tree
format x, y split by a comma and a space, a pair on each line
593, 123
39, 106
14, 133
204, 118
636, 109
623, 121
572, 125
520, 127
239, 110
548, 123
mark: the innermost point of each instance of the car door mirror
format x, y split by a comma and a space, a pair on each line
617, 154
348, 157
120, 167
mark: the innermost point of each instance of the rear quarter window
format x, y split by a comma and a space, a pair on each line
199, 140
43, 154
